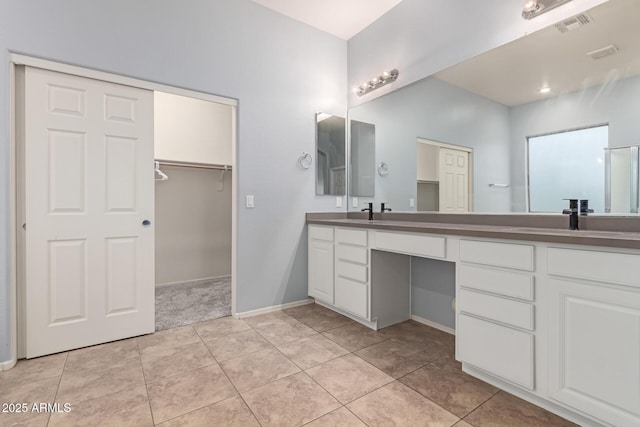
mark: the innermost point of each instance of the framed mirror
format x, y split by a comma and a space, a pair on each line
580, 73
331, 177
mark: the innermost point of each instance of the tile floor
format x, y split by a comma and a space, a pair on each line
304, 366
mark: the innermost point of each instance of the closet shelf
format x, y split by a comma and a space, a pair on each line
194, 165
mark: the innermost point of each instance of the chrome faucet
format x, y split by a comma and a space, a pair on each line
370, 210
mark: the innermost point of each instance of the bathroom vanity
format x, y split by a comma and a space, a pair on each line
546, 313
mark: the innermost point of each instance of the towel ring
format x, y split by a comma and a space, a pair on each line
305, 160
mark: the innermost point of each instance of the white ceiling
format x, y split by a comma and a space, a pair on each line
342, 18
513, 74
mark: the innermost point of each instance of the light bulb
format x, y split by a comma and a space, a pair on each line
363, 86
545, 89
374, 81
385, 74
355, 89
530, 5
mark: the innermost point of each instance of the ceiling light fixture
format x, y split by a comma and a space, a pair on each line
533, 8
385, 78
545, 89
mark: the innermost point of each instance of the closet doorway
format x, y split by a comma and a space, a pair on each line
69, 293
193, 142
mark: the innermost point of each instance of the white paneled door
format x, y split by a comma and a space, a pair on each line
89, 204
454, 180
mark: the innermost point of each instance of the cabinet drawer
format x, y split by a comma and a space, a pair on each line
321, 233
352, 271
503, 310
352, 296
357, 254
517, 285
496, 349
412, 244
498, 254
351, 236
622, 269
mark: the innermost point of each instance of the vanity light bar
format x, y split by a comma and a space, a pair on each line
533, 8
373, 84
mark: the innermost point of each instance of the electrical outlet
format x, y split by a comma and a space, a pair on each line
250, 203
338, 202
354, 202
412, 203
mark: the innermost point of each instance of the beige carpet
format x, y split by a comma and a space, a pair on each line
188, 303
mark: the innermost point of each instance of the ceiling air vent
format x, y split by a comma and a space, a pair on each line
605, 51
574, 22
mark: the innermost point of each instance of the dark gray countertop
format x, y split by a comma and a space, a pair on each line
543, 228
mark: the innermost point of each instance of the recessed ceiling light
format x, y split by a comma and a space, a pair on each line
545, 89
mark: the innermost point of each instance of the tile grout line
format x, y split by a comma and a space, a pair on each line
55, 396
146, 384
477, 407
227, 377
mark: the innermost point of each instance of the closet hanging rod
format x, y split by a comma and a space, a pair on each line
194, 165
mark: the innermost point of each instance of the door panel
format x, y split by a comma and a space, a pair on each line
89, 275
67, 284
454, 180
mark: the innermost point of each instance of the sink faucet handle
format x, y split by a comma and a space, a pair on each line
383, 209
370, 210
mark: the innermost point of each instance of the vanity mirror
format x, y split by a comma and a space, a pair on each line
330, 155
581, 73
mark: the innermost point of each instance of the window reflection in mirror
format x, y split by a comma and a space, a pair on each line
330, 154
567, 165
362, 159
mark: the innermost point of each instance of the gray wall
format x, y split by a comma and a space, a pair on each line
281, 71
422, 37
433, 286
617, 103
193, 225
435, 110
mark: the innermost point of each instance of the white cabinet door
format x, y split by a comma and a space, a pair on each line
352, 296
594, 363
321, 270
89, 212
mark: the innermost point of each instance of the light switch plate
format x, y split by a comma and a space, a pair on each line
338, 202
354, 202
412, 203
250, 203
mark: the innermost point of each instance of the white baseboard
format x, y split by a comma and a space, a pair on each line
5, 366
273, 308
192, 282
433, 324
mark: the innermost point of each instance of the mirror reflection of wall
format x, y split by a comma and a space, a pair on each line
362, 159
330, 150
492, 103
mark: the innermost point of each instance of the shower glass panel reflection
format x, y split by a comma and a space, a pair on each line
621, 179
